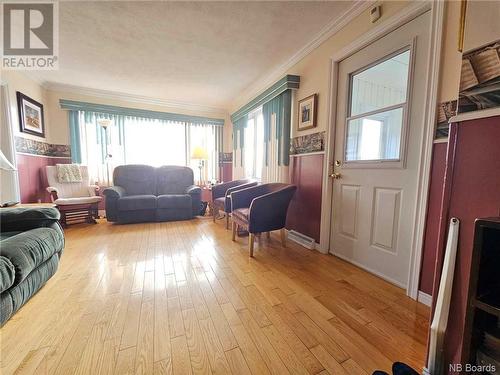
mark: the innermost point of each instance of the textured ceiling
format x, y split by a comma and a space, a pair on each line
201, 53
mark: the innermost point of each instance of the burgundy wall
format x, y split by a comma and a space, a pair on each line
32, 177
304, 214
226, 169
430, 248
471, 190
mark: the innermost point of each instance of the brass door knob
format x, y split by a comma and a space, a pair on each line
335, 176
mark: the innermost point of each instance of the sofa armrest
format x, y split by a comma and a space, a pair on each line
114, 192
193, 189
195, 192
24, 218
53, 193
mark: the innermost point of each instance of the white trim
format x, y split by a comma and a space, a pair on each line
409, 13
7, 113
424, 298
430, 108
114, 95
43, 156
332, 28
376, 273
475, 115
440, 140
307, 154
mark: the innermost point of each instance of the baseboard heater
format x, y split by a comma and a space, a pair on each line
302, 239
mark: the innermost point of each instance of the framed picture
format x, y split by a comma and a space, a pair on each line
307, 112
30, 115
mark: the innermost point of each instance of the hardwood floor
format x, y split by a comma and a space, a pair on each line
182, 298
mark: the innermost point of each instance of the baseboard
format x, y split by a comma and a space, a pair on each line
424, 298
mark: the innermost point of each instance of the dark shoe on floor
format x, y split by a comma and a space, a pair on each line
399, 368
378, 372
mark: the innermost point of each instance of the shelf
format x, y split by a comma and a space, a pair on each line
487, 308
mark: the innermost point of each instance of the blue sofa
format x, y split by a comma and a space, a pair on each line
143, 193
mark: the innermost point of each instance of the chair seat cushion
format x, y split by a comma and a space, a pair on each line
241, 214
27, 250
80, 200
137, 202
174, 201
220, 202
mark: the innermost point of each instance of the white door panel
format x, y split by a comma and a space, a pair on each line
378, 138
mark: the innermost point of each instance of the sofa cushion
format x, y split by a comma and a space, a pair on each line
173, 179
136, 179
174, 201
137, 202
241, 214
7, 273
27, 250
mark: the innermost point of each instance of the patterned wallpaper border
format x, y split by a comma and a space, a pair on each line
225, 157
308, 143
445, 111
33, 147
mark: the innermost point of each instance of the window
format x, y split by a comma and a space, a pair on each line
134, 140
378, 99
254, 145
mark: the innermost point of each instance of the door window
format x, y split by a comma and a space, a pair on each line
377, 102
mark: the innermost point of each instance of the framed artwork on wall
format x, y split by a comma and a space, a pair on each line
307, 112
30, 115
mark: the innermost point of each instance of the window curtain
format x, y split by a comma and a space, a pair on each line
238, 147
140, 140
209, 137
277, 123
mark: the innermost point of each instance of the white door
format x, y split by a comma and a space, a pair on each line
378, 140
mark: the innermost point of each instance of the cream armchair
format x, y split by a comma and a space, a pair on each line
75, 200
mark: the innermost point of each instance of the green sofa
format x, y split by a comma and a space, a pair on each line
31, 243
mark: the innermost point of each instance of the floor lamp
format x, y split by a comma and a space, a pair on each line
6, 165
199, 153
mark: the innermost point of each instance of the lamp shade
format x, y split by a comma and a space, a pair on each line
5, 164
199, 153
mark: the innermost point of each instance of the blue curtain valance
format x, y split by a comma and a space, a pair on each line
288, 82
134, 112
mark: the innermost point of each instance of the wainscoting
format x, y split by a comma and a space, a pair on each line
304, 214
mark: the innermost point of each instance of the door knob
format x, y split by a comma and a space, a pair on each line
335, 176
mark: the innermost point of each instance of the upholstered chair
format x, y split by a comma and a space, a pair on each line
74, 200
221, 194
261, 209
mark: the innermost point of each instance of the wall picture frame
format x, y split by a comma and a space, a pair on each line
31, 120
307, 112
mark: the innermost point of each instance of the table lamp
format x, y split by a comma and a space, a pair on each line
199, 153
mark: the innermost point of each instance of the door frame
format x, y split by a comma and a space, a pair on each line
411, 12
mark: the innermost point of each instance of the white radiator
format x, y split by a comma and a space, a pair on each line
302, 239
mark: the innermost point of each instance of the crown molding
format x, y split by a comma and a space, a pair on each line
175, 105
332, 28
